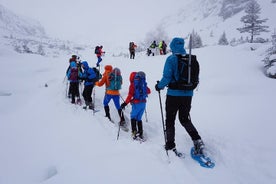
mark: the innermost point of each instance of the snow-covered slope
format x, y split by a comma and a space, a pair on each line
45, 139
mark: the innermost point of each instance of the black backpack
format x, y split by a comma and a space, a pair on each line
183, 69
98, 75
97, 50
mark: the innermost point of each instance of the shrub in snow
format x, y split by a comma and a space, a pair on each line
196, 41
223, 40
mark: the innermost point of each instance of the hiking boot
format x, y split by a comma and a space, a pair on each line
122, 123
107, 114
199, 146
134, 135
91, 106
140, 136
169, 145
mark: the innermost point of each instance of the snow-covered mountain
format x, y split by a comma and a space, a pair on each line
14, 25
25, 35
210, 18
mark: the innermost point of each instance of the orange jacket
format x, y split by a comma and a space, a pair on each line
105, 80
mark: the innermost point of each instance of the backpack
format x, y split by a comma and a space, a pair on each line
140, 86
74, 72
131, 45
97, 50
115, 80
98, 75
183, 71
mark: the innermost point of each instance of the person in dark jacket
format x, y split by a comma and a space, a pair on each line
177, 100
132, 47
99, 54
88, 76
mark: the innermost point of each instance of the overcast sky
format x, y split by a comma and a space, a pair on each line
95, 19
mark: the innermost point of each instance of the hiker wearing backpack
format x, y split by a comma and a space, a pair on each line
99, 52
73, 75
178, 100
160, 45
89, 77
132, 48
164, 47
112, 80
152, 48
137, 94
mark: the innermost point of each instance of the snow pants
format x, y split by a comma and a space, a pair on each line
182, 105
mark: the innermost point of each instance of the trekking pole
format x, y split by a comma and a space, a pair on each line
66, 90
94, 97
165, 137
146, 115
118, 134
190, 60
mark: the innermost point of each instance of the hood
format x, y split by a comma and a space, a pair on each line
108, 68
85, 65
73, 64
132, 76
177, 46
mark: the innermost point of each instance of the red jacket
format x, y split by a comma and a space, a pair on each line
131, 90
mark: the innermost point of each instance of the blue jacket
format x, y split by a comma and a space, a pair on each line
88, 74
170, 72
72, 65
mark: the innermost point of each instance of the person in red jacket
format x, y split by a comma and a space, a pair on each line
99, 53
138, 102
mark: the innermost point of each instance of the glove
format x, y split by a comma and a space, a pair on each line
123, 105
156, 87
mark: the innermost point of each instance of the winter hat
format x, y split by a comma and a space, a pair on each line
85, 64
177, 46
108, 68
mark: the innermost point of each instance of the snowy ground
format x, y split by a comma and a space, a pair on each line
45, 139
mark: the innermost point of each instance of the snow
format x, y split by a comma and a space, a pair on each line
45, 139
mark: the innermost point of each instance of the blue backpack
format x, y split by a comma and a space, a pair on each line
140, 86
115, 79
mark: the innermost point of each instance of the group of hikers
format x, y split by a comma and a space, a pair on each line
151, 50
178, 99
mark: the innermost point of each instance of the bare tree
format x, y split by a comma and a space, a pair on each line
252, 23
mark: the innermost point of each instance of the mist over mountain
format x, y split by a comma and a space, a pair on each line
15, 25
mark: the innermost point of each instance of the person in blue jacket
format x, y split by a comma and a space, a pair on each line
177, 100
89, 77
73, 75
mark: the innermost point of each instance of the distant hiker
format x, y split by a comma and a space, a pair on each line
160, 47
72, 59
137, 94
164, 47
89, 77
112, 80
73, 75
99, 52
178, 101
132, 48
152, 48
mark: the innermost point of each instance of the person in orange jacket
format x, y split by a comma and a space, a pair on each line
110, 94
